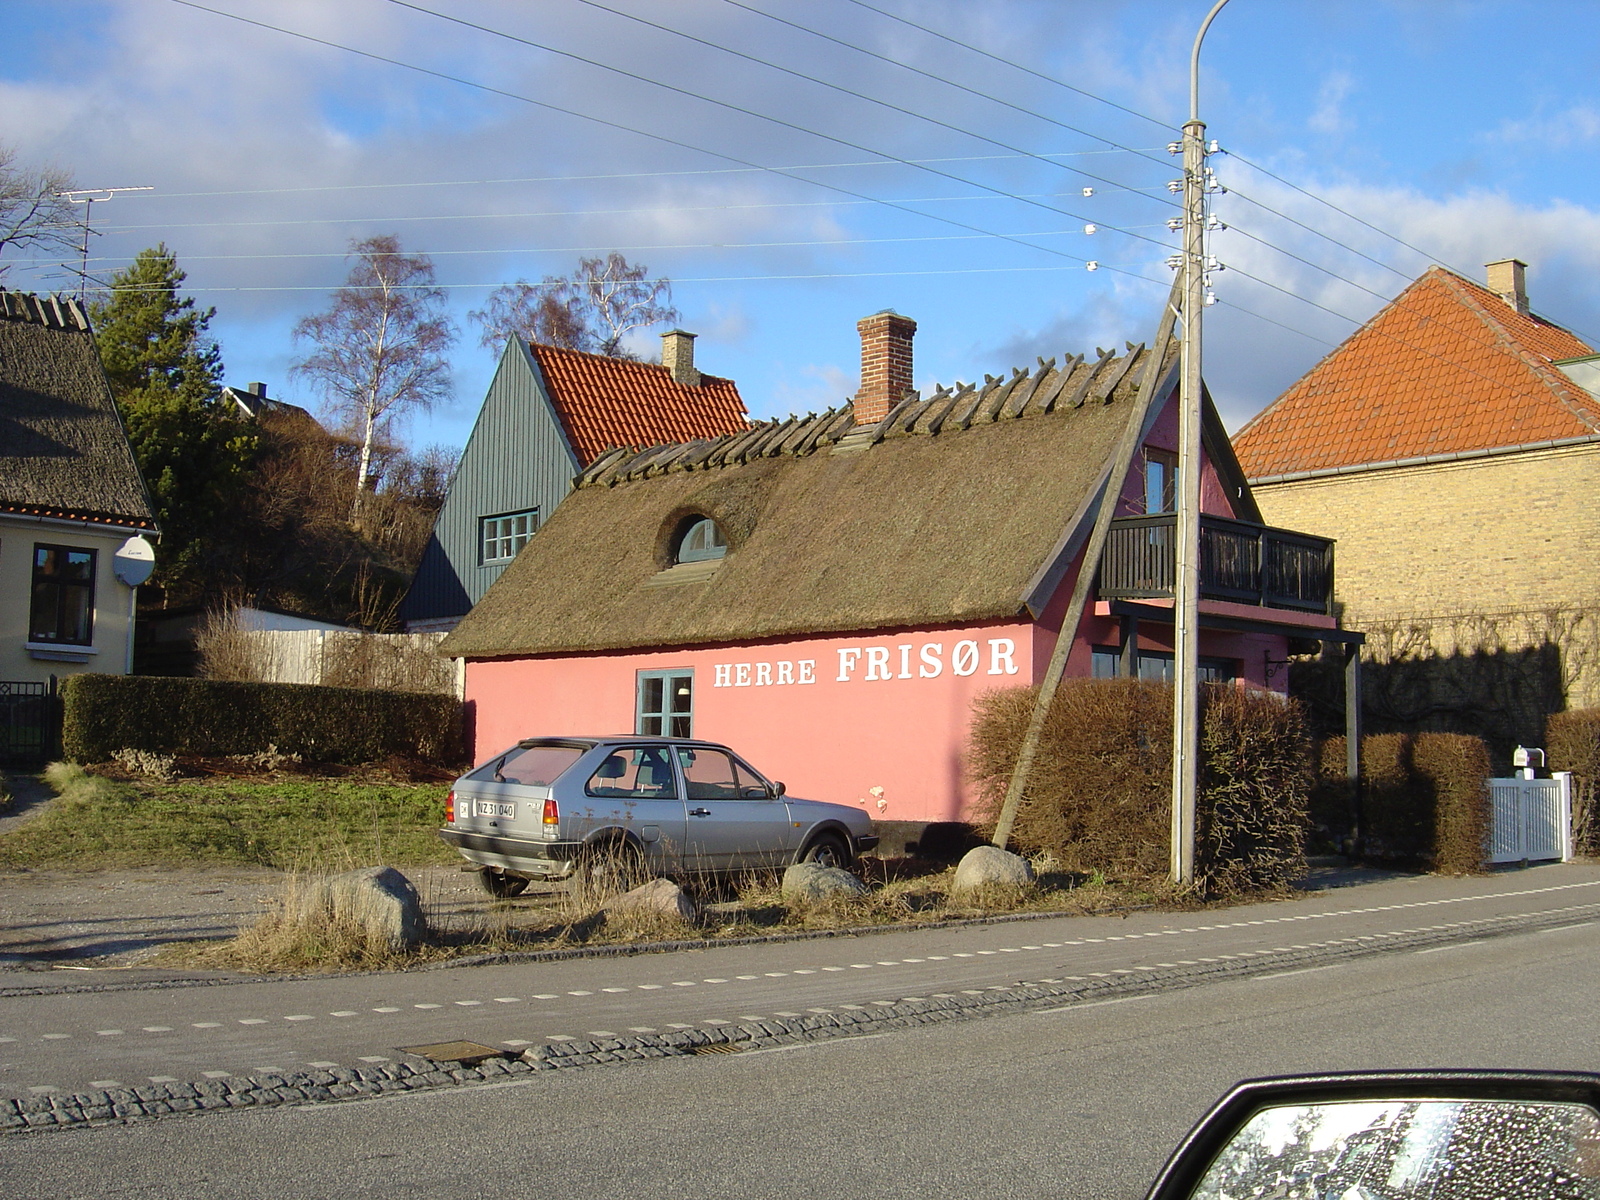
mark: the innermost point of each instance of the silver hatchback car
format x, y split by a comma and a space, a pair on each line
549, 807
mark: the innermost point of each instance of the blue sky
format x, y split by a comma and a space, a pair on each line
949, 187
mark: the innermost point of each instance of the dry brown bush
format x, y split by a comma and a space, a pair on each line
1101, 792
1572, 741
1423, 797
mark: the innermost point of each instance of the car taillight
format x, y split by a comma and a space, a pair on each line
552, 814
450, 809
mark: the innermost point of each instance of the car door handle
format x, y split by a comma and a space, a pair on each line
699, 812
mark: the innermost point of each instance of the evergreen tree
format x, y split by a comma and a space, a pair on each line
165, 373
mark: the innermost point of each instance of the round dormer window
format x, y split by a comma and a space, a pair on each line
701, 540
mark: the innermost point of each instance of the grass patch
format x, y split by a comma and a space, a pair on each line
94, 822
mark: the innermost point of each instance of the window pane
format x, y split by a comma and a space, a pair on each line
1105, 664
708, 774
682, 693
61, 605
537, 766
639, 774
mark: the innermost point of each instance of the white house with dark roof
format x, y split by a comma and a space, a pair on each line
75, 520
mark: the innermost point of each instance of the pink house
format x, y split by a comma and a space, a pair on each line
829, 594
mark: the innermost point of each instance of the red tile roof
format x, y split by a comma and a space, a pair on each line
1447, 367
605, 402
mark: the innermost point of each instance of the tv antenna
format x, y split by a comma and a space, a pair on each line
89, 197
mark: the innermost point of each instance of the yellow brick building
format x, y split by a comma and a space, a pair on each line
1452, 446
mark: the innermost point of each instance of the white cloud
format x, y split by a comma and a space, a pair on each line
1577, 125
1330, 116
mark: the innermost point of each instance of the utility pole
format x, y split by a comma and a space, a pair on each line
89, 197
1186, 597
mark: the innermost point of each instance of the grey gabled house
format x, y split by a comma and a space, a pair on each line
550, 413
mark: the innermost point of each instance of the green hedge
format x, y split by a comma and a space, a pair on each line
1101, 793
1424, 797
1572, 743
102, 714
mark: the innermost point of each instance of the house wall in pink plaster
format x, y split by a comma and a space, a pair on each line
886, 710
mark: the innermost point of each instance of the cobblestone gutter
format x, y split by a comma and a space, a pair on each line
352, 1083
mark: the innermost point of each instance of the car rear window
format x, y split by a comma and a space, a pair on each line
537, 766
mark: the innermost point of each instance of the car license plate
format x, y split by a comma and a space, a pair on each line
494, 808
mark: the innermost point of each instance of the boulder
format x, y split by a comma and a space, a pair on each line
378, 900
660, 896
989, 868
809, 883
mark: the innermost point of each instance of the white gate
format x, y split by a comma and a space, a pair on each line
1532, 819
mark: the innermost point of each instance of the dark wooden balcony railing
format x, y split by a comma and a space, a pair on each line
1239, 561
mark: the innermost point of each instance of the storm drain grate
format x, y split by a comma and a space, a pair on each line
716, 1048
468, 1054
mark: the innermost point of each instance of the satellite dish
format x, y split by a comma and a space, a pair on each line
134, 561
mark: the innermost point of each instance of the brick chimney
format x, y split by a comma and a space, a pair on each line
885, 364
1506, 281
677, 356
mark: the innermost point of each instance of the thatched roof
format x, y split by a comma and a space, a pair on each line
63, 450
950, 510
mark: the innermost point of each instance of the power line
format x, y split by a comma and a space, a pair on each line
1432, 258
1016, 66
650, 247
736, 108
770, 65
487, 88
599, 212
930, 75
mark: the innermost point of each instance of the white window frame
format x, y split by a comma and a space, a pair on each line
502, 536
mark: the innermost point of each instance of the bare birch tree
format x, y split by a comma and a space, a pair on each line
33, 215
379, 350
593, 309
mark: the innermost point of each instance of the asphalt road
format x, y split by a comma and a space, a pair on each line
1081, 1101
118, 1037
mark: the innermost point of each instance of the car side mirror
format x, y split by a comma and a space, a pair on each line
777, 790
1374, 1135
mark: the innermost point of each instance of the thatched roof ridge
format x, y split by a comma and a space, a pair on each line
1027, 393
945, 512
63, 450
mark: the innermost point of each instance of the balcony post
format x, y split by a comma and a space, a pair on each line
1128, 664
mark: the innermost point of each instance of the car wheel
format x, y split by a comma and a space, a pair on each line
612, 868
829, 850
500, 885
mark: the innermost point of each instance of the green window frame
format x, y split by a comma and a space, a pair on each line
665, 705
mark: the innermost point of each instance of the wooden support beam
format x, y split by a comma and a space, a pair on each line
1083, 586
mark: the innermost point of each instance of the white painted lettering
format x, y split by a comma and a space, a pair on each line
932, 661
1000, 651
848, 658
808, 670
764, 674
965, 659
786, 672
878, 662
723, 671
741, 674
905, 662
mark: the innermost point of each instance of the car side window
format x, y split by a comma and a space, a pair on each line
634, 773
713, 775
